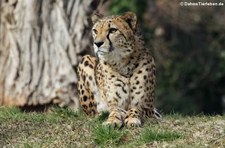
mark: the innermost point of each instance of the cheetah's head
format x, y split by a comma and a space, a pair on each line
114, 36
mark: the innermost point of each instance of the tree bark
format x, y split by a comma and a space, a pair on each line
41, 42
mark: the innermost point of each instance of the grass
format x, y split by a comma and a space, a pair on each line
62, 127
150, 135
106, 135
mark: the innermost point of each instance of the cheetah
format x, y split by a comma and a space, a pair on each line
120, 79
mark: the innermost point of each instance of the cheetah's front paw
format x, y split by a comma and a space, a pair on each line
132, 122
114, 122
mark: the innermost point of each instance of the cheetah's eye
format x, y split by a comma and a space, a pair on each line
95, 31
112, 30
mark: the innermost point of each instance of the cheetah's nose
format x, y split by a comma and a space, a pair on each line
99, 44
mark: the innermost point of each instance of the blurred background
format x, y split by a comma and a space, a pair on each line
188, 43
42, 42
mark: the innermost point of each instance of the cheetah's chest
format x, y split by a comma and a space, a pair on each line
113, 88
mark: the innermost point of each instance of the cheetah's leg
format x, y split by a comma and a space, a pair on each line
116, 117
114, 94
87, 84
142, 85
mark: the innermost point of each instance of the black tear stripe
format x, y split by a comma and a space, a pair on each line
110, 43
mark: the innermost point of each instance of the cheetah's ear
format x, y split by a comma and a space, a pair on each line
95, 17
131, 19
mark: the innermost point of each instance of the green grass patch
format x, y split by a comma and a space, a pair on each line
150, 135
62, 127
56, 114
107, 135
103, 116
10, 113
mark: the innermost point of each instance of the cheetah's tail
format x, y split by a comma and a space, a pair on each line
157, 115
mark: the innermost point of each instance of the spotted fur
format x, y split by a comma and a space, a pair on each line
121, 78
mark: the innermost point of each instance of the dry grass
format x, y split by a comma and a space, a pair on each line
64, 128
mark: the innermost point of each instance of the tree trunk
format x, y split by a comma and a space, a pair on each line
41, 42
